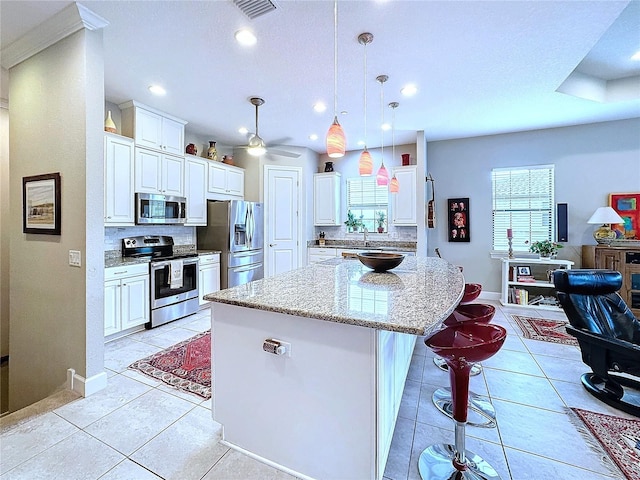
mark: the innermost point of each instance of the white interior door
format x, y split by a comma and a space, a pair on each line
282, 220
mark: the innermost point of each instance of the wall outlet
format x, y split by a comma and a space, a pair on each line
75, 258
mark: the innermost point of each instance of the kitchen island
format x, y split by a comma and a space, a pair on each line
326, 407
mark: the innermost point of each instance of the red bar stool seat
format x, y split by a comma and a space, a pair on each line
460, 346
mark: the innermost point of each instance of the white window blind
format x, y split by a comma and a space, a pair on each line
365, 197
522, 201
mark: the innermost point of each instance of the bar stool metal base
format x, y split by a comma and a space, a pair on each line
442, 365
480, 409
436, 463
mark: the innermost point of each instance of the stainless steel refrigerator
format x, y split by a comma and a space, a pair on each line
236, 228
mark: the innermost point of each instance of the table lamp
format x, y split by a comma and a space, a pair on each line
605, 216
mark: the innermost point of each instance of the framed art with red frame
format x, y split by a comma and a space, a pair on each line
627, 205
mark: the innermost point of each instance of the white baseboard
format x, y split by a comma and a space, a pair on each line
86, 386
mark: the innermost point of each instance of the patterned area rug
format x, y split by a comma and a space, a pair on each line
185, 366
619, 437
545, 330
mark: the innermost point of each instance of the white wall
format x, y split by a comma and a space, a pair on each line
56, 311
4, 213
591, 161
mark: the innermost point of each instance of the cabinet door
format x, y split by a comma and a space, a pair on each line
135, 301
235, 182
386, 385
326, 199
195, 186
111, 307
148, 129
119, 185
172, 136
404, 202
209, 280
148, 171
172, 175
217, 178
609, 259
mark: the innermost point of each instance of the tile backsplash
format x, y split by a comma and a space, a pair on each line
181, 235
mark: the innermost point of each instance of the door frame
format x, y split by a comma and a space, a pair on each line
300, 206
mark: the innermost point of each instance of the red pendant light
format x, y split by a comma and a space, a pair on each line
394, 185
336, 139
365, 164
382, 178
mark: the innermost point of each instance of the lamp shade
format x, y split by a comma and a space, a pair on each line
256, 146
365, 164
336, 140
605, 215
394, 185
382, 178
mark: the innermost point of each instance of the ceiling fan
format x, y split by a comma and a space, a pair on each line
256, 146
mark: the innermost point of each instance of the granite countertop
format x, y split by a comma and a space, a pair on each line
114, 258
413, 298
396, 246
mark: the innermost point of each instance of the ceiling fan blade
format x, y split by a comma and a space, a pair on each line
282, 153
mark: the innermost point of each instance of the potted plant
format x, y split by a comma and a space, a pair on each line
545, 248
380, 219
353, 223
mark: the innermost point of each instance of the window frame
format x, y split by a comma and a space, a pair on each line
370, 204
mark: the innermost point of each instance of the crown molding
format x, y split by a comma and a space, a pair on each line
71, 19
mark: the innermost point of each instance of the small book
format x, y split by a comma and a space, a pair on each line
526, 279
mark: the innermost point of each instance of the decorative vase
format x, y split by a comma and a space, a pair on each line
328, 166
212, 153
192, 149
380, 229
109, 125
405, 159
228, 159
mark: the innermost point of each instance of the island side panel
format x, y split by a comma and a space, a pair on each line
313, 412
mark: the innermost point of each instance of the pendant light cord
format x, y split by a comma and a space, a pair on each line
382, 126
365, 96
335, 58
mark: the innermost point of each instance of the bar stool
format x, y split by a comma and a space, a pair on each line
460, 346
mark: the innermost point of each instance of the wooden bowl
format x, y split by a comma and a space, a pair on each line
380, 261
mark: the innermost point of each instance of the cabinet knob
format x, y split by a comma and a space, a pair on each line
273, 244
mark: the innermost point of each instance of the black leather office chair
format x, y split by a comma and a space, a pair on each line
608, 334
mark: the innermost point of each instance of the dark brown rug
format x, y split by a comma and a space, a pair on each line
185, 366
545, 330
619, 437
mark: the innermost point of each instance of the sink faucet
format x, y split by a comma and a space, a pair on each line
365, 232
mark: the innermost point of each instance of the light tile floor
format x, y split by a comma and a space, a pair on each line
138, 428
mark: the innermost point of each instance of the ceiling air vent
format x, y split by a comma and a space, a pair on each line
255, 8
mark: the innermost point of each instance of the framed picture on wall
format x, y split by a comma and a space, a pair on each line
628, 207
41, 204
458, 214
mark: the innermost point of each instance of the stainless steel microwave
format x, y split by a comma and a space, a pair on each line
160, 209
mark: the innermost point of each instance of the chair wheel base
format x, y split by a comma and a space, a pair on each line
481, 412
436, 463
613, 393
442, 365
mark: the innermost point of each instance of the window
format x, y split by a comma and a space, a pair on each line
366, 198
522, 201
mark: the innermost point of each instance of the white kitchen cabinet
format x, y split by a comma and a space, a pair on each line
209, 275
195, 189
118, 180
326, 199
152, 128
126, 298
404, 203
225, 181
157, 172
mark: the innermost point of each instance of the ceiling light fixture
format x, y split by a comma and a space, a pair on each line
243, 130
336, 140
256, 146
382, 178
246, 37
394, 185
313, 136
157, 90
636, 56
365, 164
319, 107
409, 90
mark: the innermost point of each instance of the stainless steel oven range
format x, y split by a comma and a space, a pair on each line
173, 277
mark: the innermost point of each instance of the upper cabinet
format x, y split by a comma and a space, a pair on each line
118, 180
195, 189
225, 181
403, 203
156, 172
152, 129
326, 199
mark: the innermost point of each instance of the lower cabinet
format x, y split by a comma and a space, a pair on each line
209, 275
320, 254
126, 298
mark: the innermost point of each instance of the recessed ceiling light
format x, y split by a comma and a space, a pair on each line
243, 130
409, 90
313, 136
157, 90
361, 143
636, 56
386, 126
246, 37
319, 107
